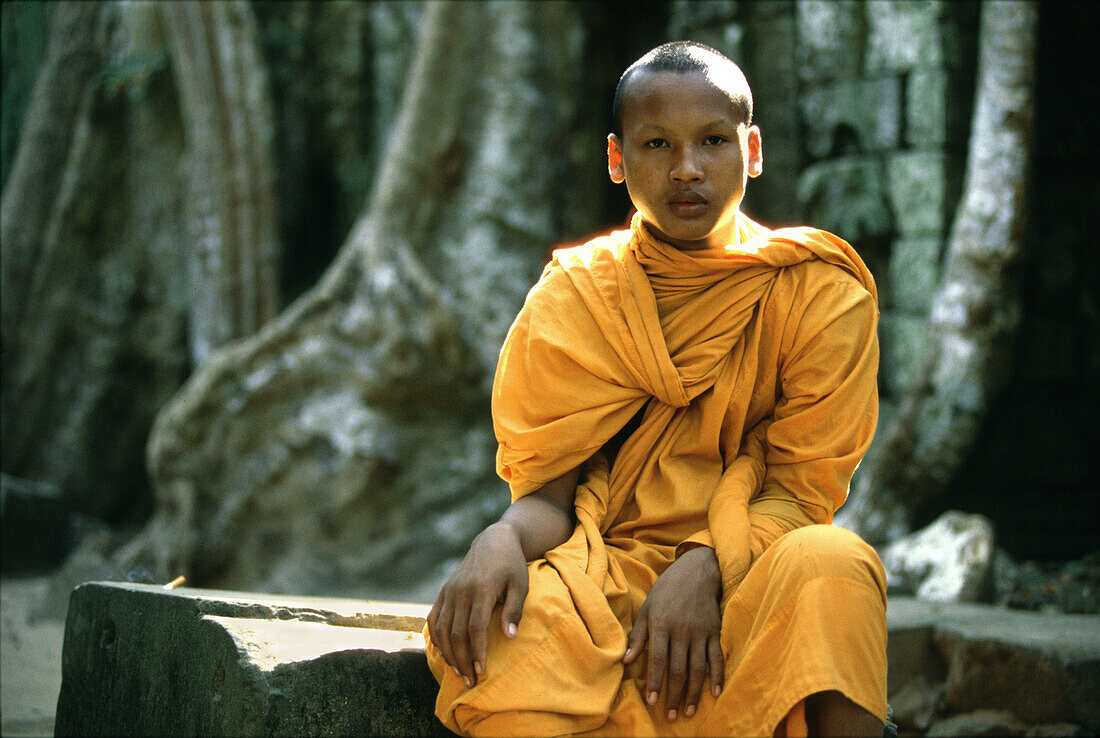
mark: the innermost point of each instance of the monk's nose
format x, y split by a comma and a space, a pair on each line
686, 167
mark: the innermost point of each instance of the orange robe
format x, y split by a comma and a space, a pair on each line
753, 371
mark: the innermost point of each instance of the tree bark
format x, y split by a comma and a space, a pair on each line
977, 307
87, 333
337, 70
95, 240
37, 193
324, 452
228, 120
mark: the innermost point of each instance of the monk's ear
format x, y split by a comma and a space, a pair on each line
615, 159
754, 159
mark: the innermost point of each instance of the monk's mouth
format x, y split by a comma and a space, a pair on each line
688, 208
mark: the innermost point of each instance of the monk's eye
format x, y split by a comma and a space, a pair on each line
714, 140
656, 143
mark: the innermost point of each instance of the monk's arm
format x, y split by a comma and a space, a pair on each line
822, 425
544, 519
826, 419
495, 570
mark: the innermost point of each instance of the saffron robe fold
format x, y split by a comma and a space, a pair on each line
752, 369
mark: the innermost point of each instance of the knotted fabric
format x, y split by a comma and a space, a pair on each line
743, 379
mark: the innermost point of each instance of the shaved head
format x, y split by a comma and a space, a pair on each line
684, 57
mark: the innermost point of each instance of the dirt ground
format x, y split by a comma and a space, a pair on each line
30, 658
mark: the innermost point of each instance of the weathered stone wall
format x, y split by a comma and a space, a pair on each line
864, 109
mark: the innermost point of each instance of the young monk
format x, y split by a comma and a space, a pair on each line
680, 407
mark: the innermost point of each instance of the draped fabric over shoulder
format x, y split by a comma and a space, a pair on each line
750, 373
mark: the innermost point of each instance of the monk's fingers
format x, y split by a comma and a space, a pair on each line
655, 666
717, 664
481, 609
433, 619
440, 629
460, 641
677, 669
433, 614
697, 674
635, 642
512, 610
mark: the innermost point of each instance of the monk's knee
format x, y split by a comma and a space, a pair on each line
830, 551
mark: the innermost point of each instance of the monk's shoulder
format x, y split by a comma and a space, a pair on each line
833, 261
574, 271
596, 254
820, 289
813, 275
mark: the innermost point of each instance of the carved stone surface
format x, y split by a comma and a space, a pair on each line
903, 341
142, 660
853, 116
920, 191
847, 196
909, 35
831, 38
914, 274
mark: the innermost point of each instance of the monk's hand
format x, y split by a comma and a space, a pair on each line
681, 621
494, 571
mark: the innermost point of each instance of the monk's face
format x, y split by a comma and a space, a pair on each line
685, 155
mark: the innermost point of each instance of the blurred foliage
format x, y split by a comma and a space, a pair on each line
22, 46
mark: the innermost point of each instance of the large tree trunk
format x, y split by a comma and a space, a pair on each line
337, 71
349, 441
35, 207
976, 310
228, 120
91, 322
95, 240
72, 59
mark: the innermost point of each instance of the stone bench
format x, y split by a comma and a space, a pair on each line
144, 660
140, 659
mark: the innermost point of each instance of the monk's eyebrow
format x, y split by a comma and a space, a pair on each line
720, 123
